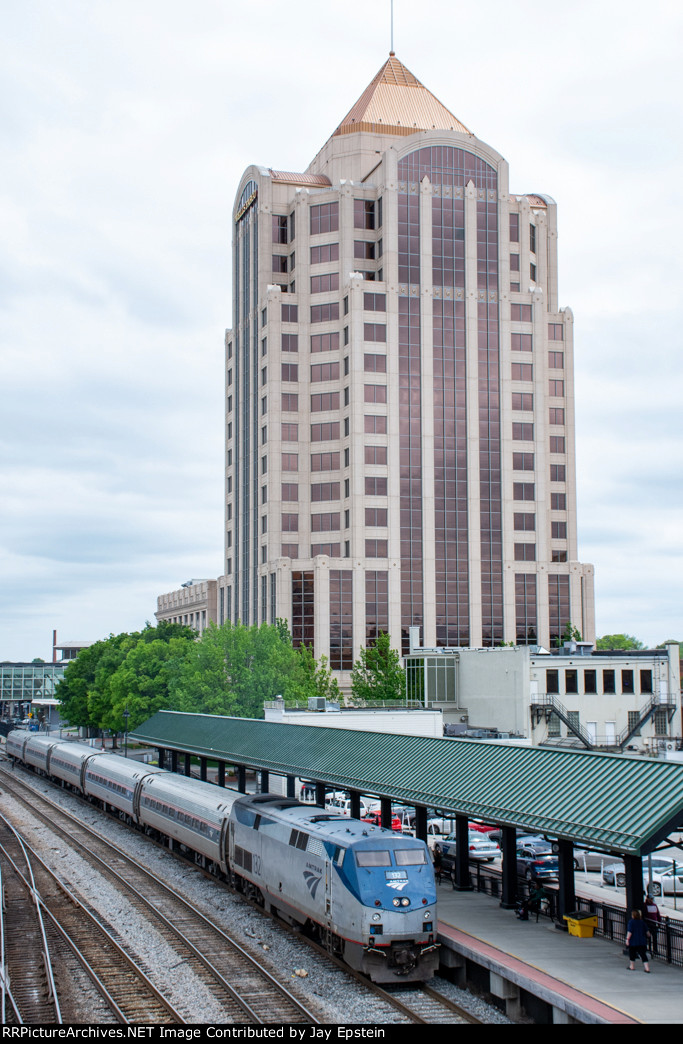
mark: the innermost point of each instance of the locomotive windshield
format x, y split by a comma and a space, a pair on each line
409, 856
373, 857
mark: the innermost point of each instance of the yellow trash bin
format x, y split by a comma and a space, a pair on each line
582, 925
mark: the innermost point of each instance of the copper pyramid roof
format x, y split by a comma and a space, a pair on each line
397, 103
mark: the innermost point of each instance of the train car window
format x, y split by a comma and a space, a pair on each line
373, 857
245, 815
339, 854
409, 856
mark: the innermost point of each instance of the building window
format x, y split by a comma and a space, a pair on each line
324, 491
571, 682
289, 313
558, 501
264, 523
325, 432
325, 313
590, 682
557, 444
532, 238
325, 523
555, 332
558, 473
375, 487
303, 609
341, 619
324, 372
558, 556
558, 530
523, 461
374, 363
290, 343
522, 432
375, 302
290, 402
522, 372
556, 388
514, 262
279, 228
376, 548
375, 425
290, 372
324, 254
279, 263
523, 491
374, 332
327, 342
324, 218
323, 284
323, 401
289, 523
324, 462
375, 393
552, 682
375, 516
346, 419
375, 454
523, 401
608, 682
521, 342
290, 462
364, 250
289, 550
556, 415
290, 491
525, 552
646, 681
524, 521
627, 683
520, 313
514, 228
289, 432
532, 273
364, 213
556, 360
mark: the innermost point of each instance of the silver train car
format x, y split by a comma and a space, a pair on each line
369, 894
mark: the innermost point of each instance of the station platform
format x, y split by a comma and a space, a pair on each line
581, 980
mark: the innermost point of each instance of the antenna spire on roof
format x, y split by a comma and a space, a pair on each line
391, 52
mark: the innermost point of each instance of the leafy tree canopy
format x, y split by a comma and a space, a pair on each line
311, 678
377, 673
233, 669
618, 641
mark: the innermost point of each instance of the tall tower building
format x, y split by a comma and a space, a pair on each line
399, 393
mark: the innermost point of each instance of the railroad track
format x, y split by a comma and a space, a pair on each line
122, 983
422, 1003
245, 989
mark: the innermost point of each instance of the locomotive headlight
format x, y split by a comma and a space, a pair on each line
396, 902
377, 917
427, 915
405, 901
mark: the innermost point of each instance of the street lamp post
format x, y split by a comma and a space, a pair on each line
126, 715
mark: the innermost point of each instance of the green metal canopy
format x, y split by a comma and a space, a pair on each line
609, 801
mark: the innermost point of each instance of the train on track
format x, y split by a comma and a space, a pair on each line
368, 893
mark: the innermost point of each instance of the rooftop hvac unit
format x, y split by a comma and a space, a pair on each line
317, 703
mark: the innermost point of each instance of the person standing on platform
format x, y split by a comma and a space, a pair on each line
652, 920
636, 940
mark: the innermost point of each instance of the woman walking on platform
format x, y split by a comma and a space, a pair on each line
636, 940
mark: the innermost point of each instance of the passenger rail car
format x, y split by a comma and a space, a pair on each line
367, 892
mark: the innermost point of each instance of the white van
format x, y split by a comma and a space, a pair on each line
340, 803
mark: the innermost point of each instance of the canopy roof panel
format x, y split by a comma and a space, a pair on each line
614, 802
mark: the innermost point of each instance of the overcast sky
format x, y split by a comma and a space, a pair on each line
125, 129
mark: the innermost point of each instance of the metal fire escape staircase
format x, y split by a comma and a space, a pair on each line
546, 701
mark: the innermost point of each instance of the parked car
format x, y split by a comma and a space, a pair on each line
479, 849
668, 882
537, 859
587, 859
340, 803
615, 874
376, 819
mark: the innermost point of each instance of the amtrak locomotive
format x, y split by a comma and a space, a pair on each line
368, 893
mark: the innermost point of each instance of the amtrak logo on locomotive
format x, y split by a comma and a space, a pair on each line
313, 877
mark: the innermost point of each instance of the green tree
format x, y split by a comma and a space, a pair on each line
233, 669
143, 681
377, 673
311, 678
618, 641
